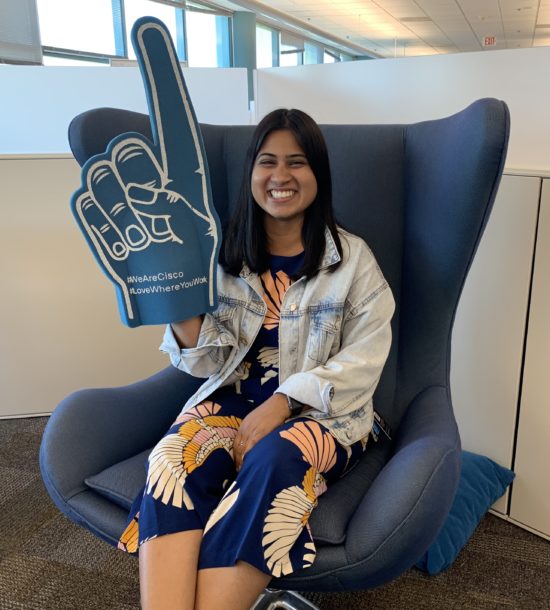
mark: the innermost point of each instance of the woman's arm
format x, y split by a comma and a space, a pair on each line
187, 332
199, 346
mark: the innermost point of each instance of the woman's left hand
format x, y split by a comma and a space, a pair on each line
257, 424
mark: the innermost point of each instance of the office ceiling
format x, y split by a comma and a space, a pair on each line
397, 28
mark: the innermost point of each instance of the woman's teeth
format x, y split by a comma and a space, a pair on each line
281, 194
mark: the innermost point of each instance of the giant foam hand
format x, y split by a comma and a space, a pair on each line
146, 208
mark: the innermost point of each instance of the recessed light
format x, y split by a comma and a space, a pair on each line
414, 19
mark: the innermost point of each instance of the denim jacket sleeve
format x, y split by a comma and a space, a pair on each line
347, 380
213, 347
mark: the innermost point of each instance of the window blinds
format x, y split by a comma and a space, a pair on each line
19, 32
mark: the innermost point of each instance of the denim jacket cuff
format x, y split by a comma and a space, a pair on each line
309, 389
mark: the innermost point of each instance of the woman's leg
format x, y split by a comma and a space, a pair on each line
188, 472
260, 528
168, 571
235, 588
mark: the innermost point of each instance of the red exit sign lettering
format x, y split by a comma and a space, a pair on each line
489, 41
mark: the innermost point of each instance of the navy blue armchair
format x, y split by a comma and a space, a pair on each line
420, 195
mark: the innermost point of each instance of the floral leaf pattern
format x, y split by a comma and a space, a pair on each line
288, 514
223, 507
201, 410
318, 446
129, 541
274, 291
269, 356
180, 453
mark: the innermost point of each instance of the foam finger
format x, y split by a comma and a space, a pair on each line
137, 165
110, 196
173, 121
105, 237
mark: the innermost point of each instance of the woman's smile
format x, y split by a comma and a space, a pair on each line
279, 195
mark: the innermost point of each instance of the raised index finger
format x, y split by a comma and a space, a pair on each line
173, 120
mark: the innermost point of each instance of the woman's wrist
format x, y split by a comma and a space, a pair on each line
293, 406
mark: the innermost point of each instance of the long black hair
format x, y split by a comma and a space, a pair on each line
245, 240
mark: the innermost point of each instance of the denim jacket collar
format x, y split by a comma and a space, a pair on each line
330, 256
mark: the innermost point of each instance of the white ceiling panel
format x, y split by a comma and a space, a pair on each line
421, 26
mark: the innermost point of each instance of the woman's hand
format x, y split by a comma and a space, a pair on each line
258, 423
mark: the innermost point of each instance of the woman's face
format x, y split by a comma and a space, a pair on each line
282, 183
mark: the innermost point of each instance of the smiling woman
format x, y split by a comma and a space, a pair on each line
285, 405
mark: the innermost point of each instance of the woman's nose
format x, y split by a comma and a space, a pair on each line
280, 173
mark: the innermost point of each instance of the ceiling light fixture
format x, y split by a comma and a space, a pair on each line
414, 19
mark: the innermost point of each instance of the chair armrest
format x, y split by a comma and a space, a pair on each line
96, 428
408, 502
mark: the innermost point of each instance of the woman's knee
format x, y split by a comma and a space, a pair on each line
302, 441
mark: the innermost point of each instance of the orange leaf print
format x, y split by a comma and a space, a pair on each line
274, 291
128, 541
317, 446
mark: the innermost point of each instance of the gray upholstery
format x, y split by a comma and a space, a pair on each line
420, 195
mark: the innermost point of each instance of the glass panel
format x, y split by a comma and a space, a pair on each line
133, 9
291, 59
66, 61
77, 24
328, 58
201, 39
264, 47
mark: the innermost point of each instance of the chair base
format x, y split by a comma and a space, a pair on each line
271, 599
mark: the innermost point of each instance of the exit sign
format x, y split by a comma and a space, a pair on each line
489, 41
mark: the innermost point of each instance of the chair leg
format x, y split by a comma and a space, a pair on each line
272, 599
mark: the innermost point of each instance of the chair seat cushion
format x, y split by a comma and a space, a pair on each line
482, 482
122, 482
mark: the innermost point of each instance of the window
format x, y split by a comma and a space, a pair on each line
291, 58
77, 25
53, 60
267, 47
330, 58
207, 39
133, 9
292, 49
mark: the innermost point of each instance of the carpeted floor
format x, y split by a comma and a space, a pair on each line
48, 563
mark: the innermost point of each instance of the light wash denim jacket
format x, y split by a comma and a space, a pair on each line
334, 338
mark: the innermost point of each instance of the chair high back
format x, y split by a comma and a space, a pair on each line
419, 195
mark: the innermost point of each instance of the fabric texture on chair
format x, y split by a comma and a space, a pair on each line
121, 482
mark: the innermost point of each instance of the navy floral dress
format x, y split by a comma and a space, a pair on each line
260, 514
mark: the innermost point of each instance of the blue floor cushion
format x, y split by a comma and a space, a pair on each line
482, 482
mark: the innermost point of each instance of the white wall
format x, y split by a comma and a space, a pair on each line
59, 318
406, 90
39, 103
